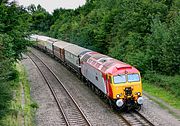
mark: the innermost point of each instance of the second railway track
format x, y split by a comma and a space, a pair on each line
72, 114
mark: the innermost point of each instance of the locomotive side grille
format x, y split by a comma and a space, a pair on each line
128, 91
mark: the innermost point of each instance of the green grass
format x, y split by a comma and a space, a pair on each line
16, 114
163, 94
168, 83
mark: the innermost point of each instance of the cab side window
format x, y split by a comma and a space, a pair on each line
109, 79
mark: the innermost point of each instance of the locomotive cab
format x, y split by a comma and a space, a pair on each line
127, 89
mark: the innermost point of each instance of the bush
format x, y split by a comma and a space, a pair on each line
169, 83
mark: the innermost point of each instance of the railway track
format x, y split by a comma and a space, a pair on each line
69, 109
134, 118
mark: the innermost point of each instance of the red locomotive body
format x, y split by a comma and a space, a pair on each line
119, 82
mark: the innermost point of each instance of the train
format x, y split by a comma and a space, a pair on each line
119, 83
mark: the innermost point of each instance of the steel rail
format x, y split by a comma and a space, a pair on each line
144, 118
52, 91
125, 120
135, 118
60, 82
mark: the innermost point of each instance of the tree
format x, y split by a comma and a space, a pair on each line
143, 33
40, 20
13, 31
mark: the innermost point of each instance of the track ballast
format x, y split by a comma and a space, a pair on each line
72, 114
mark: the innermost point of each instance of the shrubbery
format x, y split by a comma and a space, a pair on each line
169, 83
13, 30
143, 33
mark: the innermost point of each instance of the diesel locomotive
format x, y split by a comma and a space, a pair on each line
118, 82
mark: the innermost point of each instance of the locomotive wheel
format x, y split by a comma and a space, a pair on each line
110, 102
96, 91
92, 87
88, 83
83, 78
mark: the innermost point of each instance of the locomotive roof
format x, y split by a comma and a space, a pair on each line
99, 56
110, 65
75, 49
61, 44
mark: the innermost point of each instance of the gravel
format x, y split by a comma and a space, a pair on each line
90, 104
47, 114
157, 115
95, 110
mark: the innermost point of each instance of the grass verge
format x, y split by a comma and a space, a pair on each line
163, 87
20, 110
161, 93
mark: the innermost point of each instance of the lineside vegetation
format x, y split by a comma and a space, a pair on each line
143, 33
13, 30
18, 109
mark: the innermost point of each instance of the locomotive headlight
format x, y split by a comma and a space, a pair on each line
139, 93
118, 95
119, 102
140, 100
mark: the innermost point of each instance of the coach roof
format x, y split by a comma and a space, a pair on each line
43, 38
76, 50
61, 44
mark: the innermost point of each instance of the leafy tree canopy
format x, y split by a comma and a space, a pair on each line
143, 33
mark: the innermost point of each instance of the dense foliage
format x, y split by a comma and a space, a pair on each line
40, 20
13, 30
143, 33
